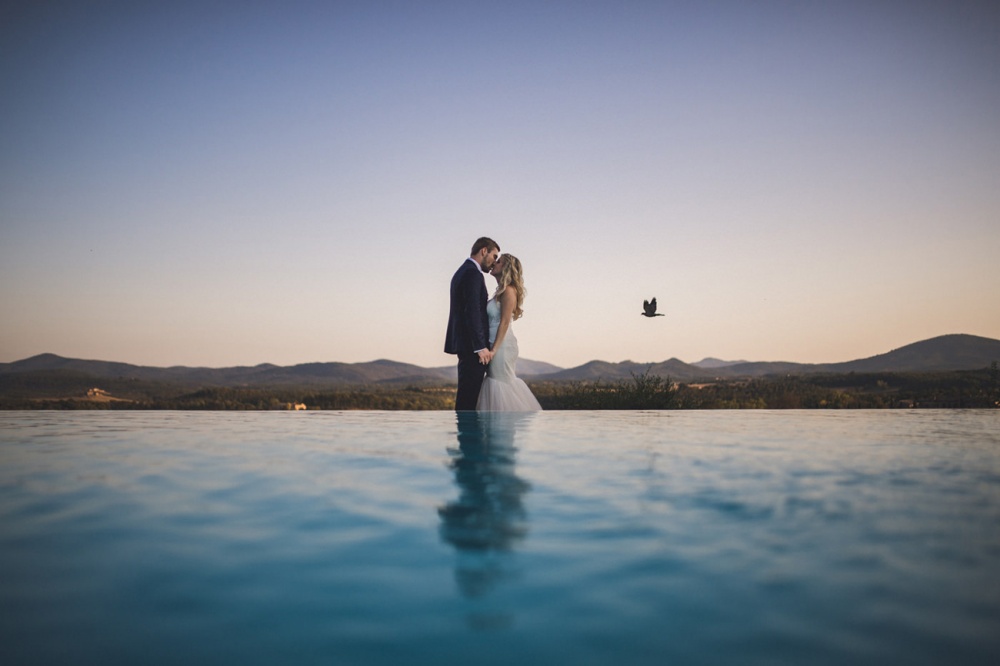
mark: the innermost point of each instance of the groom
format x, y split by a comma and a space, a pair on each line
468, 327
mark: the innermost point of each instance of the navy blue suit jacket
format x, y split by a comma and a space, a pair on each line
468, 325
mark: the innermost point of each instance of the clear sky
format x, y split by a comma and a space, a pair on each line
233, 183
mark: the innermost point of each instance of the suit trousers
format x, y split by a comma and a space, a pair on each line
470, 379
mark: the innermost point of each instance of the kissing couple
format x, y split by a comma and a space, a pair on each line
479, 332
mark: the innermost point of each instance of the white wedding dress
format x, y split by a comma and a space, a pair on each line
502, 390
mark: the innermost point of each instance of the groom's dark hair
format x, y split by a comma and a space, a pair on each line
488, 243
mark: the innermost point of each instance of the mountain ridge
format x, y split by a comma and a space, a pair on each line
712, 362
943, 353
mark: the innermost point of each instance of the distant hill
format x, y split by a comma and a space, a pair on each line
944, 353
319, 374
940, 354
710, 363
373, 372
602, 370
526, 369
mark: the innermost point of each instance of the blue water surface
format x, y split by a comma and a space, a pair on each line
722, 537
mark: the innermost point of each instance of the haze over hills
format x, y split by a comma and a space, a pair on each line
373, 372
715, 363
940, 354
944, 353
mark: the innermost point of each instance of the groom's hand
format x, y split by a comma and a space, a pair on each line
485, 356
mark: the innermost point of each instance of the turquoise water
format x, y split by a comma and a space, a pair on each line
558, 537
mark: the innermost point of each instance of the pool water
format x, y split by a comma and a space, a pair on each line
751, 537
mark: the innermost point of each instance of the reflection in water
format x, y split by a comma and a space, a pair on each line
488, 519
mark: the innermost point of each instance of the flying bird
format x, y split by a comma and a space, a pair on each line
649, 309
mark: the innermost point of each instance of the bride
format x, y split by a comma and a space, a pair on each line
502, 390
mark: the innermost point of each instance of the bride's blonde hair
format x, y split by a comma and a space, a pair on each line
511, 275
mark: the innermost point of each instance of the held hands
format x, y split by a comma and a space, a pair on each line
485, 356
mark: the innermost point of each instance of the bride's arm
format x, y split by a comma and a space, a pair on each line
507, 300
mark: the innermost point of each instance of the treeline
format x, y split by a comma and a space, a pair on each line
407, 398
974, 389
224, 398
70, 389
643, 391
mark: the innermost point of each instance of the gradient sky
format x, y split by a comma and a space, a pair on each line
222, 183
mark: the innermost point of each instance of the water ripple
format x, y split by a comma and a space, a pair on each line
634, 537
